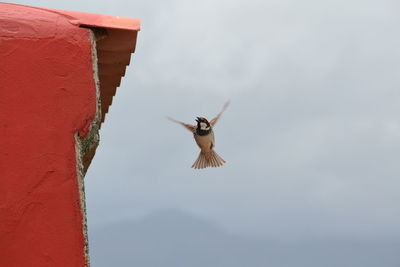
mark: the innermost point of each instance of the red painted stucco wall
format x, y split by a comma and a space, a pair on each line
47, 94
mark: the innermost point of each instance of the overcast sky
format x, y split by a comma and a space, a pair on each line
312, 136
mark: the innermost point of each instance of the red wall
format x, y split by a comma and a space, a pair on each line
47, 94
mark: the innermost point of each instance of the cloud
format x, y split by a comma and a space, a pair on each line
307, 138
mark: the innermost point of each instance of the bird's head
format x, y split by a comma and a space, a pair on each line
203, 124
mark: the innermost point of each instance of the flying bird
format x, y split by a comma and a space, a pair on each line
204, 136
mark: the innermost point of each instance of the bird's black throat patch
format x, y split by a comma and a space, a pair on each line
202, 132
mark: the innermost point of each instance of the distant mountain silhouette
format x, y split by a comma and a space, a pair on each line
176, 239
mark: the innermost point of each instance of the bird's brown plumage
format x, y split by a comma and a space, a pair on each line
207, 157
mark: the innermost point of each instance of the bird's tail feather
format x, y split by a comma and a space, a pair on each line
209, 159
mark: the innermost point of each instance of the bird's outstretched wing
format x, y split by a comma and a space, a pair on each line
190, 127
214, 121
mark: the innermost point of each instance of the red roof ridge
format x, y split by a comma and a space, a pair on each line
91, 19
